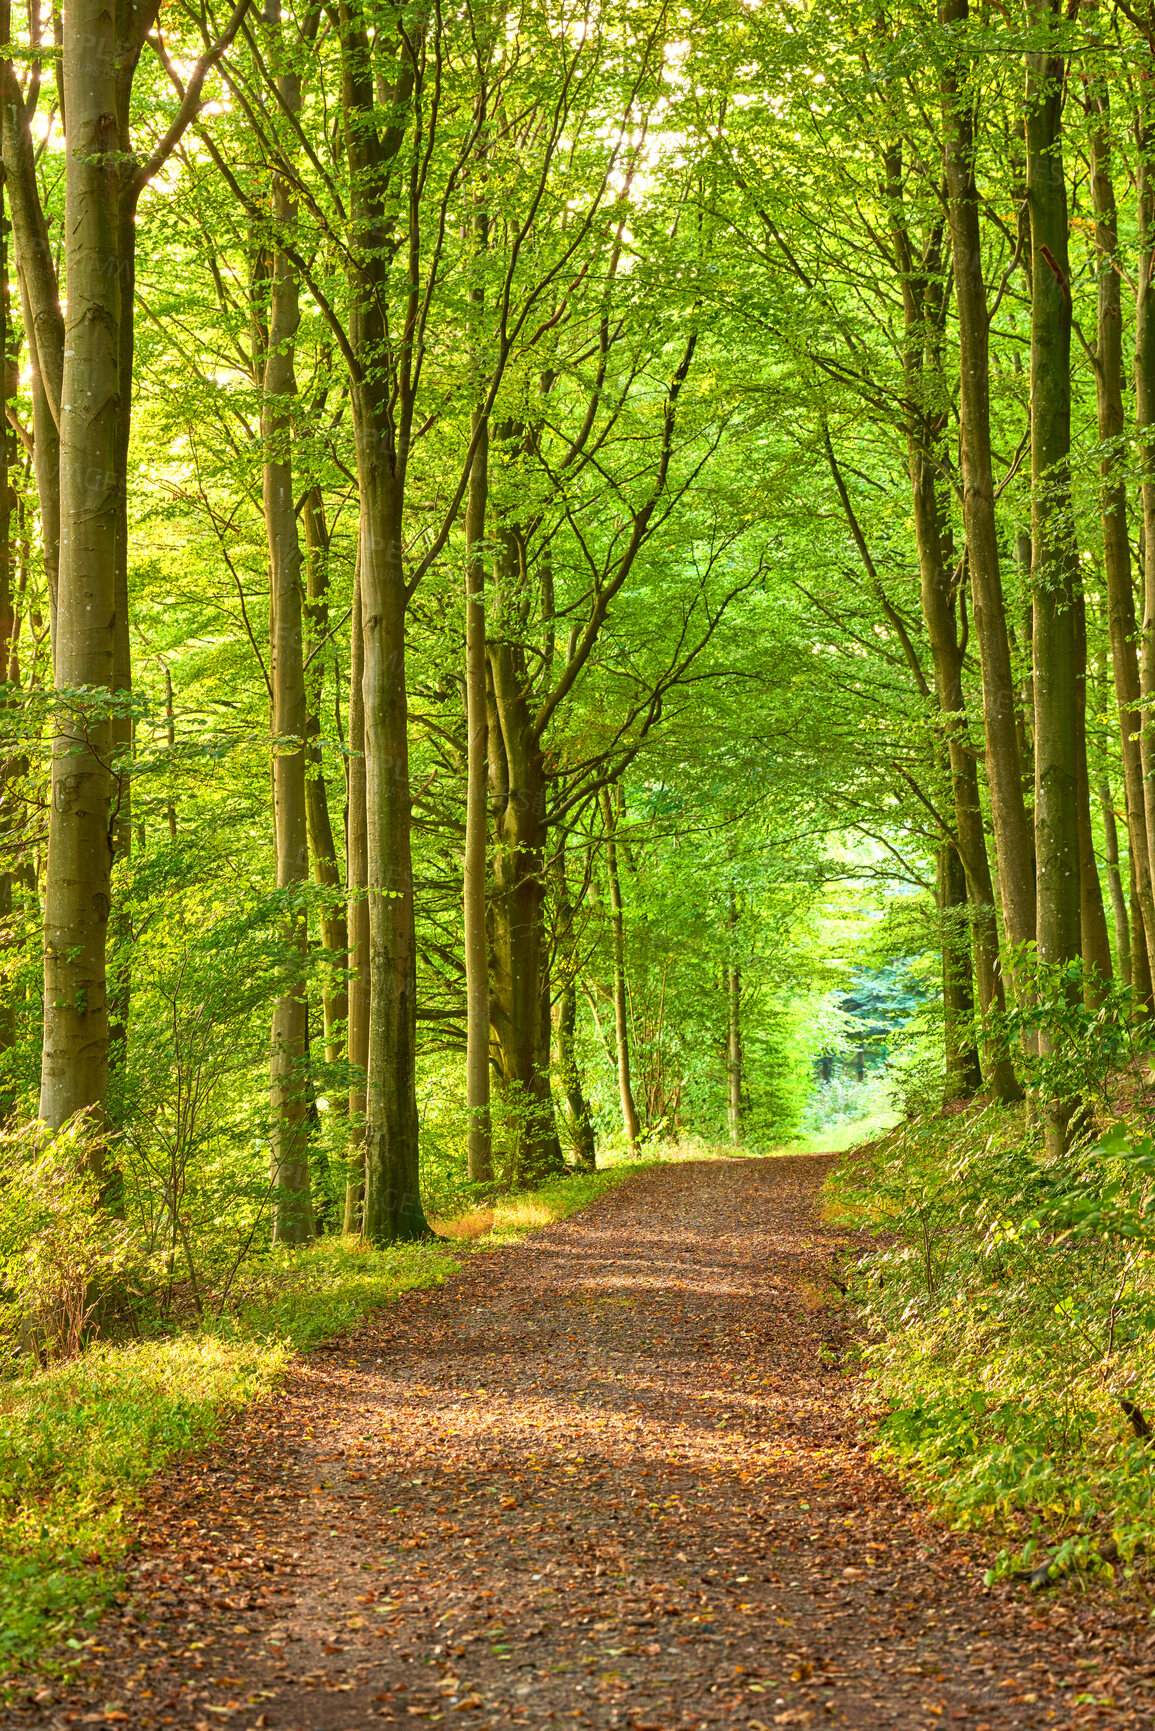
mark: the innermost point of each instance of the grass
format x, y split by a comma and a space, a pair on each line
80, 1440
847, 1134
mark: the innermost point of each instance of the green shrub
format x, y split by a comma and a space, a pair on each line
1010, 1312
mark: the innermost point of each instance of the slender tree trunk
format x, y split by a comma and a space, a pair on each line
1054, 566
170, 736
517, 913
938, 610
74, 1068
393, 1207
1004, 770
357, 879
322, 847
580, 1116
924, 307
963, 1076
120, 974
9, 767
1115, 883
1094, 943
1145, 428
1140, 962
293, 1222
480, 1134
630, 1120
734, 1034
42, 315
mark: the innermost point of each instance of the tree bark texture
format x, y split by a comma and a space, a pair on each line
517, 909
1013, 845
1095, 945
963, 1076
74, 1066
1054, 563
581, 1125
475, 872
382, 414
288, 1101
923, 308
322, 847
10, 767
1145, 429
630, 1121
1119, 912
357, 880
734, 1053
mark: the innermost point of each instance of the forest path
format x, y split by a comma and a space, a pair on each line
605, 1477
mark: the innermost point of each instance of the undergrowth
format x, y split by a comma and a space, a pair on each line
1010, 1321
80, 1439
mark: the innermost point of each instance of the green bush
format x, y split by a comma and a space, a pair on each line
1010, 1312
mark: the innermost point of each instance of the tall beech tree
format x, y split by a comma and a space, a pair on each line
1013, 843
83, 358
1055, 581
289, 708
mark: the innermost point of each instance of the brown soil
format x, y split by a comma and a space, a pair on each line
613, 1476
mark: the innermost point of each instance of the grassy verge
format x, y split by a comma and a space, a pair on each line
1009, 1313
79, 1441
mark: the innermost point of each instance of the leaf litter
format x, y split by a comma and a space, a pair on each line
614, 1475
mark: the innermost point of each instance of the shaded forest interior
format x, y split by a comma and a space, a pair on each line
577, 584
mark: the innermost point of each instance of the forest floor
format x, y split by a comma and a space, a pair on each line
610, 1476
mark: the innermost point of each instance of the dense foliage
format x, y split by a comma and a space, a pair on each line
570, 577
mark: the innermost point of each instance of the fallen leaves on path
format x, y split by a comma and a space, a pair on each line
613, 1476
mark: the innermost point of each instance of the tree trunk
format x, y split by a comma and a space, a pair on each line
293, 1221
381, 392
938, 610
734, 1053
323, 849
1140, 962
963, 1076
517, 916
1095, 945
924, 306
75, 1053
1054, 562
1003, 766
43, 320
630, 1121
734, 1033
581, 1126
393, 1207
120, 975
1145, 428
474, 875
357, 879
1115, 883
10, 767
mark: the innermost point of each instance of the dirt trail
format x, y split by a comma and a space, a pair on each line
607, 1477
